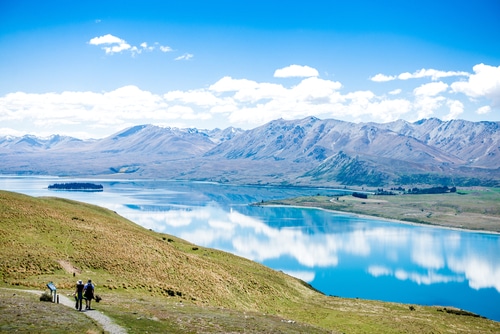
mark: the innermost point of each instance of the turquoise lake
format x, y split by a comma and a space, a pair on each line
339, 254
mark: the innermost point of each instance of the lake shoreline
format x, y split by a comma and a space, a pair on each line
392, 220
470, 222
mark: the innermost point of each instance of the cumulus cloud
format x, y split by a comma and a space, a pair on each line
106, 39
425, 106
485, 82
382, 78
112, 44
430, 89
296, 71
197, 97
243, 103
456, 109
427, 98
228, 84
110, 110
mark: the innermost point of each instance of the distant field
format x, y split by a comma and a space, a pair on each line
477, 209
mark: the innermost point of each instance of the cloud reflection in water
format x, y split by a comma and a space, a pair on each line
387, 249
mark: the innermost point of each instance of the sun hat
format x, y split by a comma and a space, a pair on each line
79, 282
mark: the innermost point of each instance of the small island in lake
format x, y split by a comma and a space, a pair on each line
76, 186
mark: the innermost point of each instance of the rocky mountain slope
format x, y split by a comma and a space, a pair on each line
309, 151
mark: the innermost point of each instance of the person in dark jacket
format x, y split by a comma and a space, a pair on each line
88, 292
79, 295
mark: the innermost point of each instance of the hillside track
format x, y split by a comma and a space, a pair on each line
106, 322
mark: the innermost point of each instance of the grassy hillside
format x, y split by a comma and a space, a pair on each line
156, 282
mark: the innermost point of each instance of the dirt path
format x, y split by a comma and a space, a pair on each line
107, 324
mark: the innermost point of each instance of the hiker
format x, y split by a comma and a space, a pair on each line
88, 292
79, 294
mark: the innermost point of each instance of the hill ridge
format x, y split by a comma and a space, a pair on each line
290, 152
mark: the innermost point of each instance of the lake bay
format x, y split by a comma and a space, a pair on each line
339, 254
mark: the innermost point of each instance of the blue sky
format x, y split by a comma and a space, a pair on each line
91, 68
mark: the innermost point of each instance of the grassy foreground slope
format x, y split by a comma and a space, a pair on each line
156, 282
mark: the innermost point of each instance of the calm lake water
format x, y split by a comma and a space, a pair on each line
338, 254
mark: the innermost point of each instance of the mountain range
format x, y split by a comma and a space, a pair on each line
308, 151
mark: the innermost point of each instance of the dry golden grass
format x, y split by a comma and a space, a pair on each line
144, 276
43, 233
22, 312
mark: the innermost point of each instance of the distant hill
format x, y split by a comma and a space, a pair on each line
309, 151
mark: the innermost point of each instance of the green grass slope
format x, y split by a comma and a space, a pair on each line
139, 271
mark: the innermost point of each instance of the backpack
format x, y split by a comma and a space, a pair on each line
89, 288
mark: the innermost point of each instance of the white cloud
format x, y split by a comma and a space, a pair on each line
456, 109
116, 48
382, 78
427, 100
239, 102
228, 84
377, 271
425, 106
306, 276
296, 71
432, 73
422, 73
165, 48
112, 44
86, 110
261, 92
431, 89
483, 110
484, 83
198, 97
315, 89
185, 56
106, 39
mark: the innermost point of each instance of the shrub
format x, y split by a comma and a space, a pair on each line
46, 297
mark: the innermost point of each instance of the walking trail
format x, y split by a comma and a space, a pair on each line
107, 324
